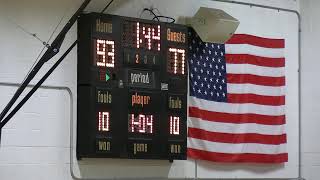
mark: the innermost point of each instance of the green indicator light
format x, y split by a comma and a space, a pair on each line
107, 77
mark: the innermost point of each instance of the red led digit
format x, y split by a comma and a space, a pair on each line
174, 125
104, 124
150, 123
178, 60
105, 53
148, 36
142, 125
182, 52
135, 123
156, 37
138, 35
110, 54
132, 122
101, 51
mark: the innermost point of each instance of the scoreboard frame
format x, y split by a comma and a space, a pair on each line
128, 91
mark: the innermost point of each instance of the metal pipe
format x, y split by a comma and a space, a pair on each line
30, 86
299, 70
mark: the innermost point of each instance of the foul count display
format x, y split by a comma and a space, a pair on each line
132, 88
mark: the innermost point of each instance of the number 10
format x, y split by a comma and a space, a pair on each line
104, 123
174, 125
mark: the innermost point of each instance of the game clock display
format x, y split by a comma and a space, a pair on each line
132, 88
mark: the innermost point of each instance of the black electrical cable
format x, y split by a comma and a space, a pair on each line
107, 6
158, 17
151, 11
166, 17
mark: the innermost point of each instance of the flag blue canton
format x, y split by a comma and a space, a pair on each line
207, 70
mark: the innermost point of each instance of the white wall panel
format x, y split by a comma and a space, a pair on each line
310, 89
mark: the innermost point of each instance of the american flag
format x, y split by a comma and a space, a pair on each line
237, 100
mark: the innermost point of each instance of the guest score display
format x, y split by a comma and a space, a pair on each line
132, 88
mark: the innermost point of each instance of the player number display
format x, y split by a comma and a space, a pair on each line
140, 123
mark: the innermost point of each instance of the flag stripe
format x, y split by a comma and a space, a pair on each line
236, 118
233, 128
255, 89
255, 70
254, 50
241, 157
245, 109
256, 99
236, 138
257, 41
255, 60
254, 79
236, 148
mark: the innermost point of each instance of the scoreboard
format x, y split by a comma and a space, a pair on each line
132, 88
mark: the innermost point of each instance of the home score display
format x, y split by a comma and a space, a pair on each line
132, 88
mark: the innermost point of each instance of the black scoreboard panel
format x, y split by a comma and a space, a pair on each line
132, 88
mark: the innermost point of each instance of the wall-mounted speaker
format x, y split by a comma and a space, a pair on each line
212, 25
